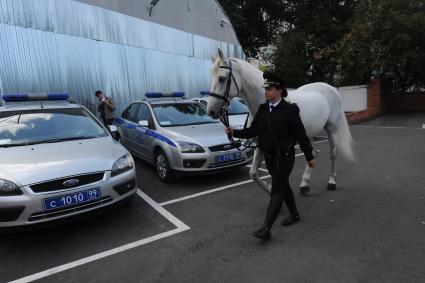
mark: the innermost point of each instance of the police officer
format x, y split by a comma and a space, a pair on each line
278, 126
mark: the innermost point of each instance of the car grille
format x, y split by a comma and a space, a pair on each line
67, 210
222, 147
57, 185
221, 164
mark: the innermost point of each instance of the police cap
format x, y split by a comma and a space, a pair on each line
272, 79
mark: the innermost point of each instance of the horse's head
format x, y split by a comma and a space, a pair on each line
225, 84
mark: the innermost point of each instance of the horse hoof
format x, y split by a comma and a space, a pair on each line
304, 190
331, 187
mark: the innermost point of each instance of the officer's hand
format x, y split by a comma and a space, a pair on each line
228, 130
311, 163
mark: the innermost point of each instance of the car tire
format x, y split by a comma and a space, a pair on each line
162, 167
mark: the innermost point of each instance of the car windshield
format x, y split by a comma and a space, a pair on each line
181, 114
27, 127
237, 106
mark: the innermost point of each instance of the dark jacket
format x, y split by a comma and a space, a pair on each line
286, 126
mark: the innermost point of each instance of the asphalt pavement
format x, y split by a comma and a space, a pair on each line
371, 229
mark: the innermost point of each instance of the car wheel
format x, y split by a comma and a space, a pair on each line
163, 169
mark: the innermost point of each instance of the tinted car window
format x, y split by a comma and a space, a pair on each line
131, 112
181, 114
237, 106
144, 113
47, 125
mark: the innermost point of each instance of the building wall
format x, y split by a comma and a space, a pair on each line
70, 46
200, 17
354, 98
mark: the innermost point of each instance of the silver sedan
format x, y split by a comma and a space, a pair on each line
57, 161
177, 137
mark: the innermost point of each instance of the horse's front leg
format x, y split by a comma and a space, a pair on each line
305, 181
253, 172
306, 178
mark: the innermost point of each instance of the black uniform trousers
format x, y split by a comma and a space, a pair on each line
280, 170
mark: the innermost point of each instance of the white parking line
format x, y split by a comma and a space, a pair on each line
388, 127
210, 191
180, 228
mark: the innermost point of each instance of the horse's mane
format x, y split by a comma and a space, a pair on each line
250, 72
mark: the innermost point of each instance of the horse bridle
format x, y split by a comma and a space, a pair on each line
224, 114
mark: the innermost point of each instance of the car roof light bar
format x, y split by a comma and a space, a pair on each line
164, 94
204, 92
23, 97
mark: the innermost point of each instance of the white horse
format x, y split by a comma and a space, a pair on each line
320, 108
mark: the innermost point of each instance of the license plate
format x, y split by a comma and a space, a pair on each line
227, 157
72, 199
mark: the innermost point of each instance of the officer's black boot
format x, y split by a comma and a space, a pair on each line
291, 219
294, 215
275, 205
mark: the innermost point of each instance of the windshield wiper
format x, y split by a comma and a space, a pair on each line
201, 123
48, 141
62, 140
13, 144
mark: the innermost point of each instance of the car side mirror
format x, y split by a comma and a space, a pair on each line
112, 129
144, 123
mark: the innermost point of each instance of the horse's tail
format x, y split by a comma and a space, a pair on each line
345, 142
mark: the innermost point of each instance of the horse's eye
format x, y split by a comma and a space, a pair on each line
221, 79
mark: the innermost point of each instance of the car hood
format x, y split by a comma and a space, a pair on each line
205, 135
26, 165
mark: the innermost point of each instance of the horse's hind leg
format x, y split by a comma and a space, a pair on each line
332, 136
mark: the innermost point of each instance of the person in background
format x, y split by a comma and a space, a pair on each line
106, 108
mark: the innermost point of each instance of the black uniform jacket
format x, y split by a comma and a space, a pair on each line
286, 126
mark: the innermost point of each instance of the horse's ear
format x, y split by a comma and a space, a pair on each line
213, 58
222, 56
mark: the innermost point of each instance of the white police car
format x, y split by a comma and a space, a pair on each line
177, 136
57, 160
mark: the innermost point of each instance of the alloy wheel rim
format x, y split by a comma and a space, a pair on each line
161, 166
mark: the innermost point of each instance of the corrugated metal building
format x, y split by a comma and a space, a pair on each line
122, 47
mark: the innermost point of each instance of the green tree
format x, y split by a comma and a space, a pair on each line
307, 48
255, 22
387, 39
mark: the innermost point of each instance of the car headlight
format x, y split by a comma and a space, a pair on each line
122, 165
187, 147
8, 188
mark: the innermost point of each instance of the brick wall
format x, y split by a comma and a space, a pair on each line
375, 105
404, 103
